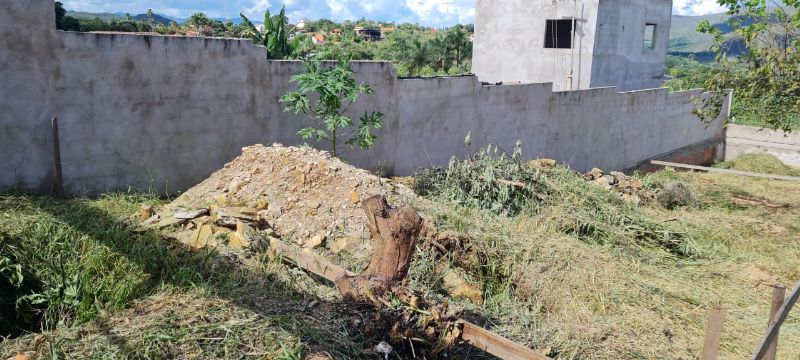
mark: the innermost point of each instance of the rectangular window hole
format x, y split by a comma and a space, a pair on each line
650, 36
558, 34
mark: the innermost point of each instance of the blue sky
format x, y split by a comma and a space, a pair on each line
426, 12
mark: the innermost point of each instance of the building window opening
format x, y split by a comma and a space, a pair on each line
558, 34
650, 36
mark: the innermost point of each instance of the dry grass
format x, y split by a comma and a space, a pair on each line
610, 301
558, 291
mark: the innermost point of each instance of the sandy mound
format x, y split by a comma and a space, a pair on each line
300, 193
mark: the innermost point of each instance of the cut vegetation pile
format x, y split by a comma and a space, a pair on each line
541, 254
589, 210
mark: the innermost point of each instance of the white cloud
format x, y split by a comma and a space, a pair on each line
257, 9
697, 7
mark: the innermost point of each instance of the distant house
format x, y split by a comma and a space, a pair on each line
368, 34
318, 39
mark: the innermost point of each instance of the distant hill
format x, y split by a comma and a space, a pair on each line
118, 16
684, 40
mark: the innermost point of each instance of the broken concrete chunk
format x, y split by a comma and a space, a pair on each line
189, 215
202, 237
316, 242
242, 237
170, 221
151, 221
345, 244
229, 216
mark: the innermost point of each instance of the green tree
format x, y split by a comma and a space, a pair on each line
419, 56
766, 76
325, 92
457, 40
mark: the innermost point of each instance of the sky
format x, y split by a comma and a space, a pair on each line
437, 13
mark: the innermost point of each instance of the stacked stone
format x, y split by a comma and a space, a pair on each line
631, 189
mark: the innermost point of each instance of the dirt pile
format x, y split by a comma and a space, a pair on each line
631, 189
301, 195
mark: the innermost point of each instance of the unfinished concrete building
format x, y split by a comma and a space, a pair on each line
575, 44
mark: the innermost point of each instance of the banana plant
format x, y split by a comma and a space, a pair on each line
274, 37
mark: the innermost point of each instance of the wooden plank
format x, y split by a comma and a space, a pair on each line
497, 345
714, 333
309, 261
473, 334
772, 332
778, 297
725, 171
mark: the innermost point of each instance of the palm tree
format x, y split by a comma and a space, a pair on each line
419, 56
441, 48
458, 41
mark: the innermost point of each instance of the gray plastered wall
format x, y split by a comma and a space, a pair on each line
162, 113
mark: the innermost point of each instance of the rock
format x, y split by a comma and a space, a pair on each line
189, 215
202, 237
458, 287
543, 163
151, 221
354, 197
676, 194
229, 216
242, 237
631, 199
345, 244
637, 184
316, 242
594, 174
610, 179
170, 221
146, 212
275, 211
602, 182
618, 175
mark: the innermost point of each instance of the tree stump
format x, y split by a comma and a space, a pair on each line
394, 234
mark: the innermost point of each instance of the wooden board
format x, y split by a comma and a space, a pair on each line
772, 333
725, 171
497, 345
309, 261
716, 321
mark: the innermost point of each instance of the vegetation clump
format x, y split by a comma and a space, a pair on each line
760, 163
492, 180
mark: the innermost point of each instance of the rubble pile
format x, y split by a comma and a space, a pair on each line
631, 189
298, 194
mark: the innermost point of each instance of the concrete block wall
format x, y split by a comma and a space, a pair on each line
162, 113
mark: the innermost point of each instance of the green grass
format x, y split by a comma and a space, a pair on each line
606, 294
99, 288
760, 163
